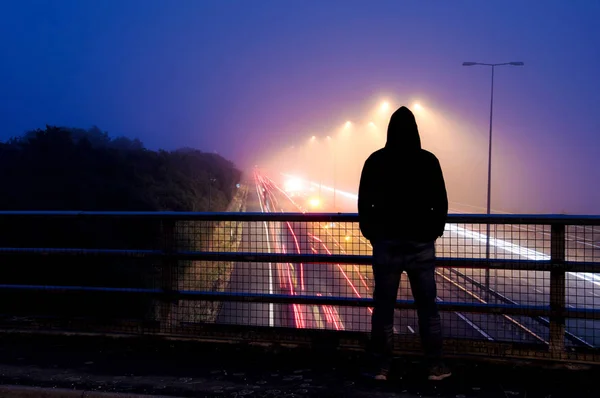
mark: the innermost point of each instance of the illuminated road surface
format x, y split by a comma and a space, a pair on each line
455, 285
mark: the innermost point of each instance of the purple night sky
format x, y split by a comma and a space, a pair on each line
249, 79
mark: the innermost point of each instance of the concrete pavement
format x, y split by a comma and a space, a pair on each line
102, 367
16, 391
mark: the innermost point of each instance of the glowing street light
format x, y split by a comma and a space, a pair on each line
314, 202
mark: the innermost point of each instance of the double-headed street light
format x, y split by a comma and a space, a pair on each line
489, 180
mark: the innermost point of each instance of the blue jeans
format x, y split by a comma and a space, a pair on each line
390, 259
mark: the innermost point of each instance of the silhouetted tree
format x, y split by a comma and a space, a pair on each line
60, 168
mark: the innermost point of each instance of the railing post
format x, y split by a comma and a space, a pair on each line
557, 290
168, 277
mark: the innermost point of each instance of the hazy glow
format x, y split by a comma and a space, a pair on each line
314, 202
335, 157
293, 185
385, 106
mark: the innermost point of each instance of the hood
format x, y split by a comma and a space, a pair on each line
402, 133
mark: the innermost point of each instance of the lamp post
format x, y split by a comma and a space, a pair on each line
333, 151
489, 177
312, 140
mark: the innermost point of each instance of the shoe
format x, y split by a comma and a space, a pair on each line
439, 371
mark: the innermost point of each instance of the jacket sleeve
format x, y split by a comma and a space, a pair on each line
440, 204
366, 195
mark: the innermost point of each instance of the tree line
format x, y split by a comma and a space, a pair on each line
60, 168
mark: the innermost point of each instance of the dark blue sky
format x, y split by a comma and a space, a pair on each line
247, 77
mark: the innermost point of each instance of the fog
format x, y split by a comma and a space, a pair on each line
334, 157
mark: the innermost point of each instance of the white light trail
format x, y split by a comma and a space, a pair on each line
521, 251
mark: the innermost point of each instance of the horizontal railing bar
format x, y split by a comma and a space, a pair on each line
268, 298
500, 309
253, 257
309, 217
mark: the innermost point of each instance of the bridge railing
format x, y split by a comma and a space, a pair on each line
293, 278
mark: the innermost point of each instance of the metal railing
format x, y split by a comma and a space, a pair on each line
295, 278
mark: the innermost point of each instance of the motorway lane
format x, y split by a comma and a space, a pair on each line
316, 279
356, 282
460, 325
252, 278
525, 287
302, 277
262, 278
290, 277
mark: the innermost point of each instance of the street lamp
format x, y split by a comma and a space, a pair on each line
489, 181
313, 139
334, 165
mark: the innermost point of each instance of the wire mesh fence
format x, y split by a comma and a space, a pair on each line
456, 285
163, 272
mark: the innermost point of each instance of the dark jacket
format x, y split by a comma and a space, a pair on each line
402, 194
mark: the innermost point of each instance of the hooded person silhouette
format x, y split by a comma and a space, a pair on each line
402, 207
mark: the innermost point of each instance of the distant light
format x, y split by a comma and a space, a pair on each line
237, 185
328, 137
314, 137
417, 106
348, 124
385, 106
314, 202
293, 185
348, 238
371, 124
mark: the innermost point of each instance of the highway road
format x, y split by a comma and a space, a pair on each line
456, 285
292, 279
